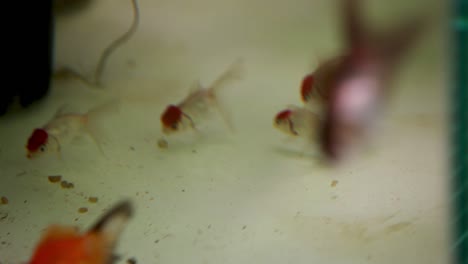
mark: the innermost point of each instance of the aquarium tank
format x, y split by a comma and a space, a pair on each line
235, 131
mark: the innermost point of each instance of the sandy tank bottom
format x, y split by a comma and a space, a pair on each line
251, 195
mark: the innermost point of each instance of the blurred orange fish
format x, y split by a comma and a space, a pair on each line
65, 245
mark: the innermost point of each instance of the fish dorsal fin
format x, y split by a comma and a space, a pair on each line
397, 40
315, 61
64, 109
236, 71
195, 87
293, 107
355, 33
113, 222
61, 110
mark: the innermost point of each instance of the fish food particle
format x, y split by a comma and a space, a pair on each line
55, 178
93, 199
334, 183
82, 210
4, 200
163, 144
67, 185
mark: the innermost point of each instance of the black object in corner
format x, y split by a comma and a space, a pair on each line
27, 61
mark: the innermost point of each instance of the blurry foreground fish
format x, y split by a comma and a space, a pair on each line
357, 85
315, 87
63, 126
199, 104
64, 244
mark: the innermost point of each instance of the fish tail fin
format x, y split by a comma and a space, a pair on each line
57, 147
111, 224
96, 141
233, 73
389, 45
62, 109
116, 44
314, 62
224, 113
397, 41
355, 32
94, 119
111, 106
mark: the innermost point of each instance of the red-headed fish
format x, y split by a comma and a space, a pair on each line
66, 245
62, 126
199, 104
297, 122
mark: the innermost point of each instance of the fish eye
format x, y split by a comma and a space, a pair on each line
174, 125
42, 148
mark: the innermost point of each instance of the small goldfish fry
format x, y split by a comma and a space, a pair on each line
199, 104
283, 122
298, 122
64, 244
172, 117
48, 138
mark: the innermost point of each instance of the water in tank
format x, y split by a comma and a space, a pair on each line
234, 132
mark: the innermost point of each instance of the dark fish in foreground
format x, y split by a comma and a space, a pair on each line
359, 84
64, 244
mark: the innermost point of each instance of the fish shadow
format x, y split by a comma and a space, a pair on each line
295, 153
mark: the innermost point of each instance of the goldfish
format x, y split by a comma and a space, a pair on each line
47, 138
199, 104
315, 86
357, 85
297, 122
65, 244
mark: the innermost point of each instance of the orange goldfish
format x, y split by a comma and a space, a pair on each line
198, 105
63, 125
65, 245
356, 86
